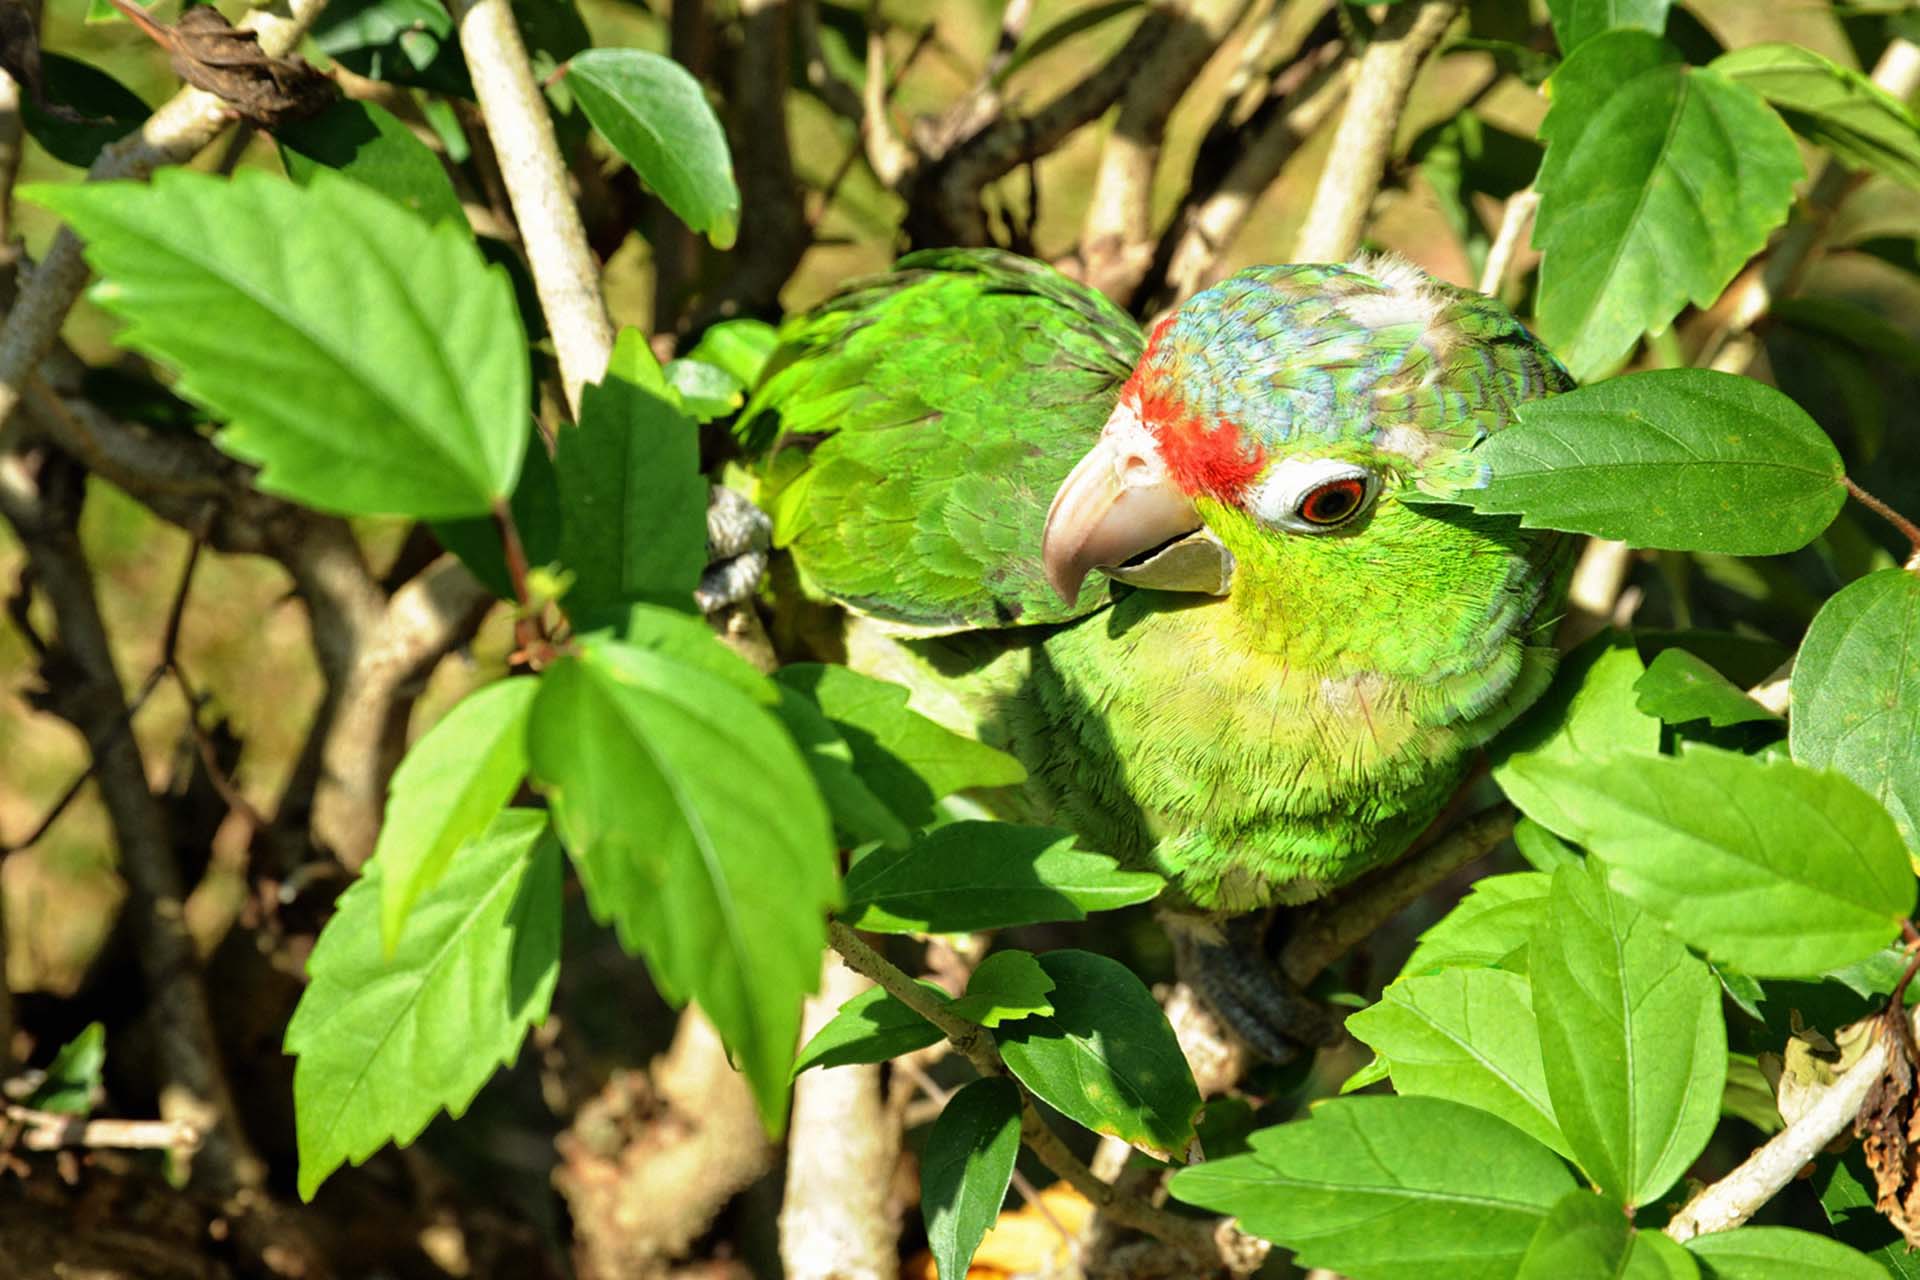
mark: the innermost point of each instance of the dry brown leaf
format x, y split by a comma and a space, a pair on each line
210, 53
1889, 1129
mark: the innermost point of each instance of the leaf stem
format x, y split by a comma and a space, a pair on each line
1908, 529
1214, 1243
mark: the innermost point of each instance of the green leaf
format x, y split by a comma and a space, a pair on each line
1467, 1035
1105, 1057
656, 116
1679, 687
987, 875
1846, 1190
1762, 863
741, 347
1576, 21
1748, 1096
1856, 692
635, 502
698, 833
74, 1074
1489, 927
1831, 105
107, 110
965, 1170
383, 1044
410, 401
908, 760
1780, 1253
1543, 850
408, 42
1632, 1034
857, 812
363, 142
1589, 1235
1389, 1189
871, 1027
707, 392
536, 514
450, 787
1588, 713
1659, 183
1008, 986
1682, 459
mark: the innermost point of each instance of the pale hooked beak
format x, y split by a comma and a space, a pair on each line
1118, 504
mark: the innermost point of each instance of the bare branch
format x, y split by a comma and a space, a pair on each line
1116, 239
891, 158
834, 1223
50, 1131
12, 137
1514, 225
1358, 157
173, 134
564, 271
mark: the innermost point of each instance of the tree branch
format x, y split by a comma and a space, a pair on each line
1358, 157
565, 274
173, 134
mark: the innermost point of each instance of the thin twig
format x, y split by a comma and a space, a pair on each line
565, 274
50, 1131
1364, 139
1908, 529
1514, 225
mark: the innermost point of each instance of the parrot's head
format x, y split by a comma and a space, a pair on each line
1276, 421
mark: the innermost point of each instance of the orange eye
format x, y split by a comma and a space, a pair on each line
1334, 502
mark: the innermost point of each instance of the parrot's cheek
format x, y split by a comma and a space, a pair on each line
1118, 503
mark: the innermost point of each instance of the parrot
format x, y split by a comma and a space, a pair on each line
1203, 581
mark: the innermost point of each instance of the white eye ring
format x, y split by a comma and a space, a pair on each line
1281, 498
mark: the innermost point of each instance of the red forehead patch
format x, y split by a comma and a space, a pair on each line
1203, 458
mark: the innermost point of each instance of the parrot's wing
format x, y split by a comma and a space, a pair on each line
922, 420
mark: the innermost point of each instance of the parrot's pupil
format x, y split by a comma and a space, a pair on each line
1332, 502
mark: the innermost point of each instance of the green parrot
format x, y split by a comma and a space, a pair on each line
1283, 662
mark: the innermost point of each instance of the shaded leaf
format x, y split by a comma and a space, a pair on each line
656, 116
1467, 1035
857, 812
1576, 21
1589, 1235
1680, 687
1489, 927
84, 109
987, 875
1856, 692
907, 759
410, 401
1831, 105
1008, 986
1846, 1196
1632, 1035
698, 834
1682, 459
1762, 863
384, 1044
1660, 181
408, 42
966, 1168
362, 141
1105, 1057
1780, 1253
1389, 1189
871, 1027
73, 1077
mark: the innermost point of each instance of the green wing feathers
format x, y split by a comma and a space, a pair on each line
919, 423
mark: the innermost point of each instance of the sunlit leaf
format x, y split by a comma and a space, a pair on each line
965, 1169
1589, 1235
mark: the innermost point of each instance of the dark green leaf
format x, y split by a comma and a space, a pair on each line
965, 1170
73, 1076
1856, 692
1490, 926
1846, 1195
365, 143
1461, 1193
109, 109
908, 760
1576, 21
697, 832
450, 787
536, 514
871, 1027
1762, 863
1682, 459
1679, 687
1589, 1235
1467, 1035
1660, 181
1632, 1034
1780, 1253
857, 812
987, 875
1105, 1057
1831, 105
656, 116
1748, 1096
384, 1044
1589, 712
635, 502
408, 42
410, 401
1008, 986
